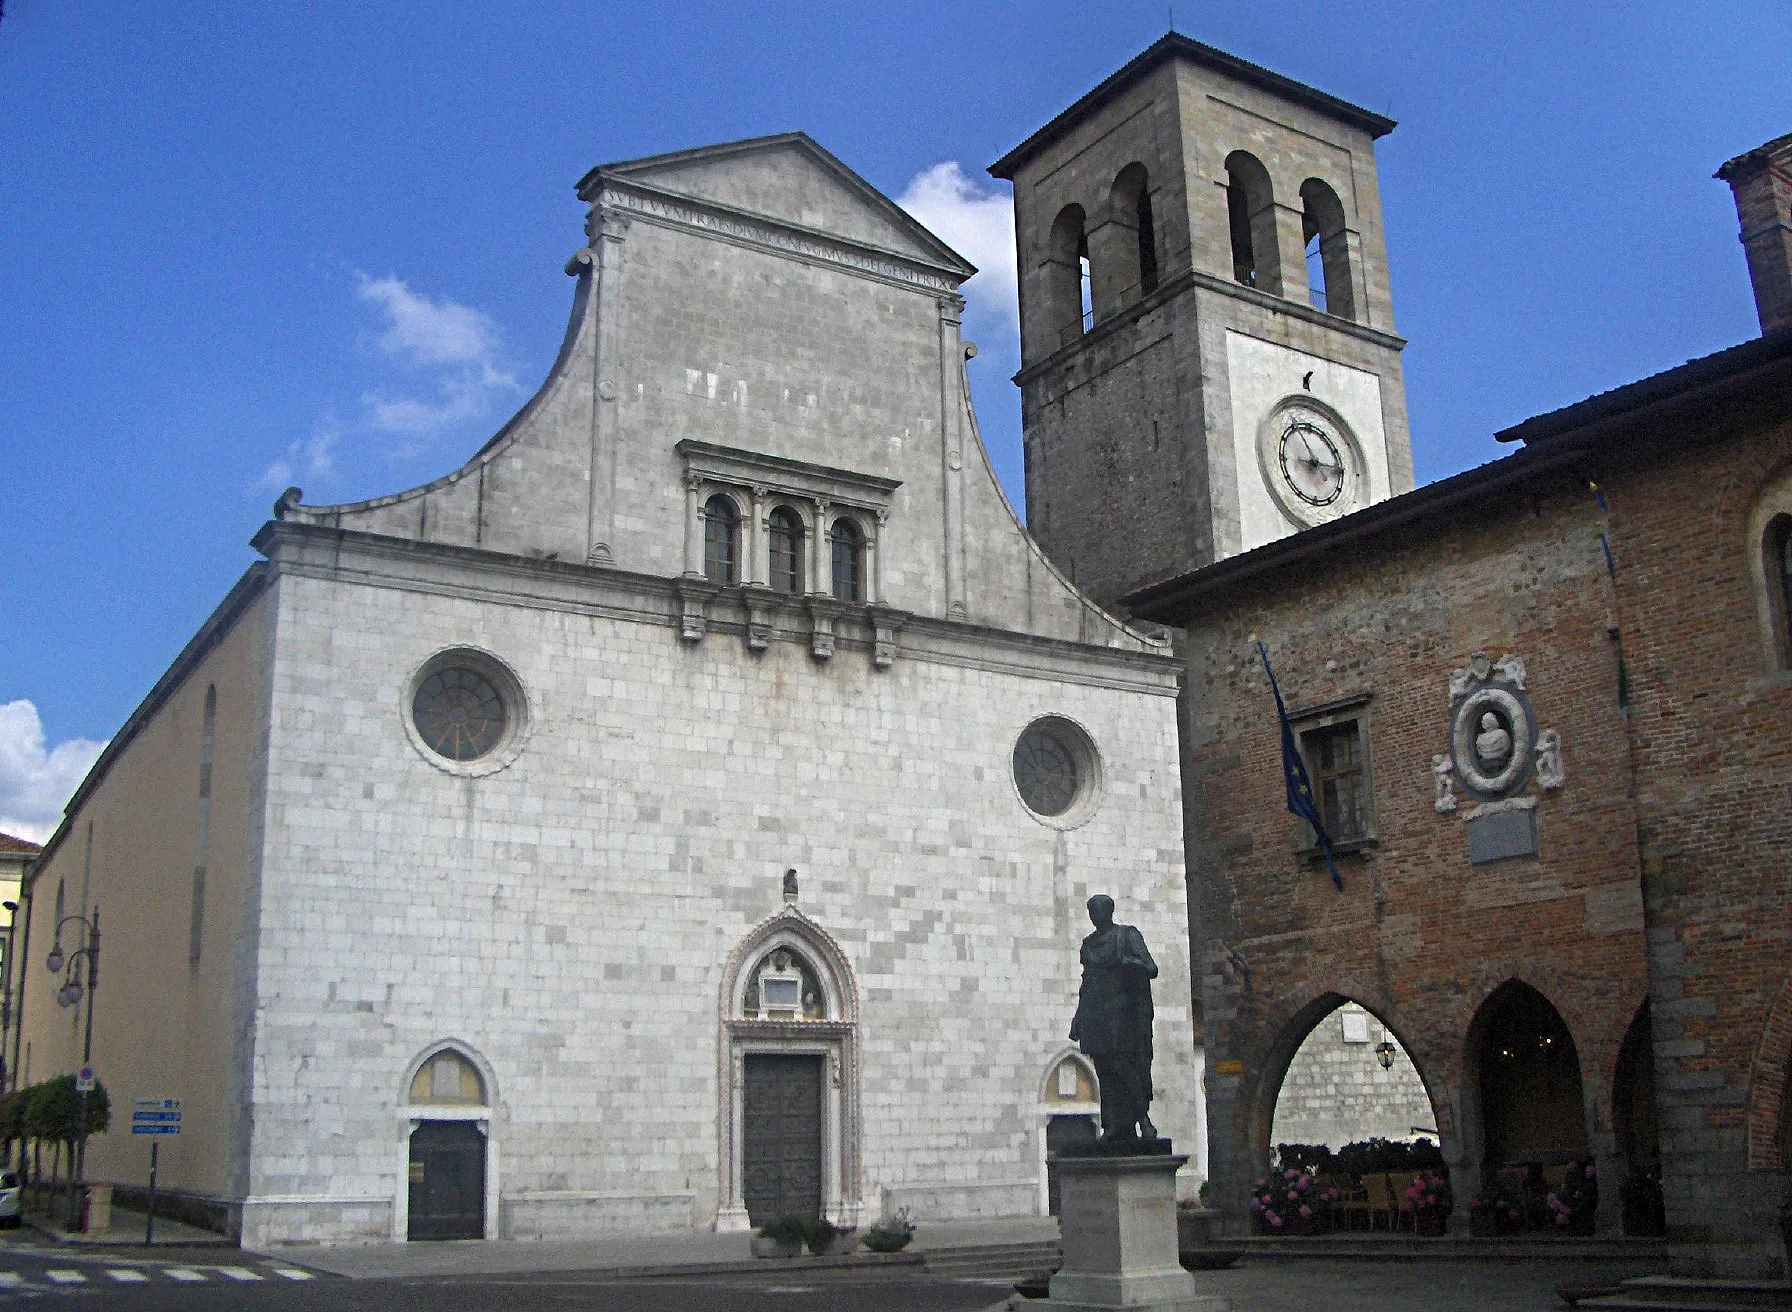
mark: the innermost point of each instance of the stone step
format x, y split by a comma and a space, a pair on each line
1452, 1248
1005, 1261
1695, 1295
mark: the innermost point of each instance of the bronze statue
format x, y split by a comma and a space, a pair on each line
1113, 1021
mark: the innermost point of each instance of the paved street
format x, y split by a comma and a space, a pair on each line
215, 1280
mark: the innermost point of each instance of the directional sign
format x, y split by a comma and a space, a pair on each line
155, 1116
84, 1080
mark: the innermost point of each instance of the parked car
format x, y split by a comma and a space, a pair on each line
9, 1198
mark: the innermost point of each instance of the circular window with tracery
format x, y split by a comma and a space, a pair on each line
459, 714
466, 711
1056, 771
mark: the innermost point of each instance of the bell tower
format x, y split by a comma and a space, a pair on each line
1208, 356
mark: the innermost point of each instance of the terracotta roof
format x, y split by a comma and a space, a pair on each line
23, 847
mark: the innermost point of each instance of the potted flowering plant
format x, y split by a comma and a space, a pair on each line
1494, 1213
1573, 1209
1427, 1200
1285, 1202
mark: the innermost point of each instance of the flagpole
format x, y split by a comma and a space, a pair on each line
1301, 800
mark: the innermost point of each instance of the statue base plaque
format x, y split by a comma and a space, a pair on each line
1118, 1217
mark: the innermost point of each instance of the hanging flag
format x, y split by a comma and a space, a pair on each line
1294, 773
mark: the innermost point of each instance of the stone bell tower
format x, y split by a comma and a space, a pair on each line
1208, 356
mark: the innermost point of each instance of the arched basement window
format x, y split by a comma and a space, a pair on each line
721, 540
847, 546
1329, 283
1250, 213
786, 550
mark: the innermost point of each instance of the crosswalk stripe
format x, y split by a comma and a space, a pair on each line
125, 1276
183, 1274
242, 1273
63, 1276
292, 1273
11, 1279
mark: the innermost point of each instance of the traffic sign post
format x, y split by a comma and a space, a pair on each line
156, 1117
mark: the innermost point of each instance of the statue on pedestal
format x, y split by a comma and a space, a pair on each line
1113, 1022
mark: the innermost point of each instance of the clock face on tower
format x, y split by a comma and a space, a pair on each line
1310, 461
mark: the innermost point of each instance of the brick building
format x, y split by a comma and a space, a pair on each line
1561, 782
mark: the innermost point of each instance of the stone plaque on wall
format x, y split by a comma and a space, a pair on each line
1498, 835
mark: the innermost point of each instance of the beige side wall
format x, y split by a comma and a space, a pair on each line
162, 1023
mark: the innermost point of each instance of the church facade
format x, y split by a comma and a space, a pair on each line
681, 814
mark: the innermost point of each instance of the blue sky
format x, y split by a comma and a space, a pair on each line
242, 245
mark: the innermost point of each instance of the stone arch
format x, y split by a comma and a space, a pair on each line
1067, 276
1272, 1069
1557, 1079
1251, 218
1135, 262
1323, 219
791, 928
828, 1035
1769, 1108
466, 1052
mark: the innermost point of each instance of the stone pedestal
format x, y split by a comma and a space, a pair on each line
1118, 1216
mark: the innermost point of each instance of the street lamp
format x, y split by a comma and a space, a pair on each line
1384, 1053
69, 995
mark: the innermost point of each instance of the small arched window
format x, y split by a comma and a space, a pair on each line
786, 550
1777, 566
1251, 216
721, 540
1329, 282
847, 547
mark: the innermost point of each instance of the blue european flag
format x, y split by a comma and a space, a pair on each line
1294, 774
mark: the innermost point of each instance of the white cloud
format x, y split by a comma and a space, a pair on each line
978, 224
312, 456
35, 784
455, 346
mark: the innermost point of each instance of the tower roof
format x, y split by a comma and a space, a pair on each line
1173, 45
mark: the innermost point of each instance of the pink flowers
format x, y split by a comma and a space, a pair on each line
1305, 1210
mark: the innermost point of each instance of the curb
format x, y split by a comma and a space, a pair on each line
650, 1271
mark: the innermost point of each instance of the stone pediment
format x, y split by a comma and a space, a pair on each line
792, 180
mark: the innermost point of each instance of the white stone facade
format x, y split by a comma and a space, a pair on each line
580, 912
